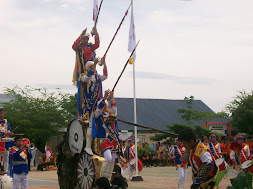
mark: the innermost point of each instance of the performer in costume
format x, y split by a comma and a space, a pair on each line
131, 158
121, 162
244, 155
215, 149
5, 130
204, 168
110, 146
85, 52
20, 155
214, 146
178, 152
90, 82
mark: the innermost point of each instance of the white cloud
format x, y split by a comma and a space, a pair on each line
198, 39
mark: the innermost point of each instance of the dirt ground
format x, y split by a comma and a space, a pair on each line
154, 178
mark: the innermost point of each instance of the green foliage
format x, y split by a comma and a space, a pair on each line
38, 113
190, 115
141, 150
220, 176
241, 109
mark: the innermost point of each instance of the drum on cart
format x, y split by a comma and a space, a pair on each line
248, 165
76, 136
88, 167
221, 164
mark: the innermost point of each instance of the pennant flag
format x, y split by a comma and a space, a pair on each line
95, 9
48, 151
132, 37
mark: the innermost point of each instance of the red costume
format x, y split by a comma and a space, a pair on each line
88, 50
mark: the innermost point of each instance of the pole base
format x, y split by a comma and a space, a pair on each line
137, 178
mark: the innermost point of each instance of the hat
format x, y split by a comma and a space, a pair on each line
86, 35
239, 137
212, 136
120, 139
129, 140
88, 65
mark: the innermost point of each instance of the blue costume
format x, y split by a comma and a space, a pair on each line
20, 160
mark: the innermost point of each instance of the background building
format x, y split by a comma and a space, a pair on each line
158, 113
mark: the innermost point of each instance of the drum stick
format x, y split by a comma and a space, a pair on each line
15, 128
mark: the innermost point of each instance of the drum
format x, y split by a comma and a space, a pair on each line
247, 165
132, 162
75, 136
221, 163
85, 171
7, 139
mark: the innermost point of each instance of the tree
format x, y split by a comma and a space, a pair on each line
190, 115
38, 113
241, 109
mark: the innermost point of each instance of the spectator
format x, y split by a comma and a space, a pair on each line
103, 183
145, 159
153, 159
250, 143
161, 148
168, 158
117, 179
224, 148
162, 159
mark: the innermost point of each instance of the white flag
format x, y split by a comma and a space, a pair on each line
132, 40
48, 151
95, 9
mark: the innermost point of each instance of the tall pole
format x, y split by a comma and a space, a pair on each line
135, 116
135, 121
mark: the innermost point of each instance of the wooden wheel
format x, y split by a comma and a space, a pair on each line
85, 171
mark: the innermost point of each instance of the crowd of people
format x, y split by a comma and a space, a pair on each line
162, 154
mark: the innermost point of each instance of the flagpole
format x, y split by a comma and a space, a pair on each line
135, 120
135, 116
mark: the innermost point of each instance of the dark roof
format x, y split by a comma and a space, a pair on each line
157, 113
5, 98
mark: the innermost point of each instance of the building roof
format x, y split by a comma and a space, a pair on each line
5, 98
157, 113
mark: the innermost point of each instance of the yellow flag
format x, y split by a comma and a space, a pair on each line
130, 61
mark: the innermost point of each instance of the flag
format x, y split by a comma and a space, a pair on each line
132, 38
48, 151
95, 9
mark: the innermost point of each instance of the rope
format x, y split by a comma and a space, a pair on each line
146, 127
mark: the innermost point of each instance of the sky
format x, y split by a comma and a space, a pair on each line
199, 47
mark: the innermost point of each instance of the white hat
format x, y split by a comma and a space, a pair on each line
88, 64
86, 35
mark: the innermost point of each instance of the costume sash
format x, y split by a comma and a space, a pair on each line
78, 70
114, 135
90, 98
177, 151
213, 150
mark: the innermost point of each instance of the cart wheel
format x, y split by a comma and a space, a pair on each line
85, 171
